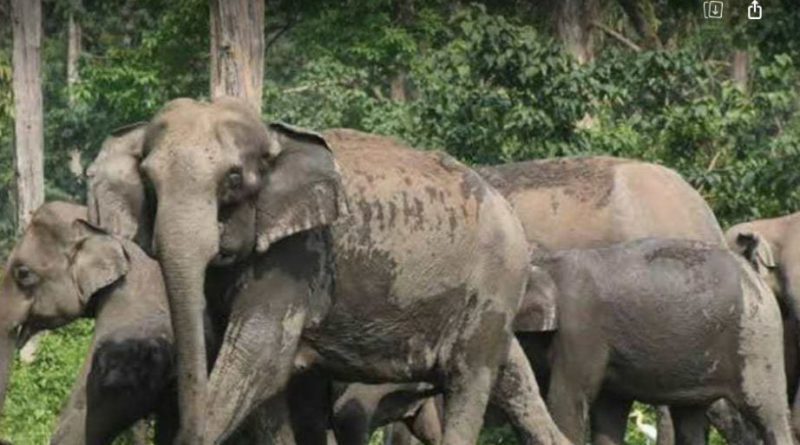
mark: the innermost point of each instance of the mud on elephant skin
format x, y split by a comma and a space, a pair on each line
429, 262
651, 320
63, 269
772, 247
585, 202
595, 201
129, 371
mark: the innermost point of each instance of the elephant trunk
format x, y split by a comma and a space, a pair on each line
187, 239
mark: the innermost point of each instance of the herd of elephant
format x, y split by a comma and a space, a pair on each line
262, 283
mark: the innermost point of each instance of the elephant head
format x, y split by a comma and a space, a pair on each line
53, 274
220, 186
759, 253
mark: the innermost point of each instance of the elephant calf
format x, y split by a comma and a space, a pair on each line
63, 269
678, 323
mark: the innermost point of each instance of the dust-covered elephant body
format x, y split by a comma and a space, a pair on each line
352, 255
587, 202
584, 202
401, 278
668, 322
772, 246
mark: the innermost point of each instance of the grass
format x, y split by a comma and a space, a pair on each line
38, 390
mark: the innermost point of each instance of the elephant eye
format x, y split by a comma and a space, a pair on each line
24, 276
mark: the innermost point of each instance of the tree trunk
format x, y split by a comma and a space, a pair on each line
643, 17
397, 88
26, 18
237, 49
73, 54
73, 77
404, 17
574, 27
739, 69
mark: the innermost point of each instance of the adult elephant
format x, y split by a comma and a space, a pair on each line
588, 202
773, 247
429, 263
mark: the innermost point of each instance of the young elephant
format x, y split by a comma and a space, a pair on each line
772, 246
679, 323
63, 269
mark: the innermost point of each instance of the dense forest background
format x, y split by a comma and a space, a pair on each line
489, 82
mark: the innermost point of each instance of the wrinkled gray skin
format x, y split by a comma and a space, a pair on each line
129, 372
585, 202
773, 248
429, 263
63, 269
618, 306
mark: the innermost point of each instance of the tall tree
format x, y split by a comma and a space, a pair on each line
573, 25
403, 17
237, 49
26, 18
73, 49
739, 68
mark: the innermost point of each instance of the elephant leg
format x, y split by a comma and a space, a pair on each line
426, 425
691, 425
108, 416
761, 396
268, 424
309, 401
268, 316
609, 417
469, 380
772, 419
465, 398
516, 393
731, 425
578, 368
664, 426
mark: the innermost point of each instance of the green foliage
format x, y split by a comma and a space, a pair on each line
38, 390
497, 92
485, 82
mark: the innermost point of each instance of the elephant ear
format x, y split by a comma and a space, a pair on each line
756, 250
99, 260
302, 189
116, 197
537, 310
